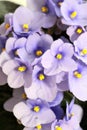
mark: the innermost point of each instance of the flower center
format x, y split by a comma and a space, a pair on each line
59, 56
79, 30
83, 52
44, 9
58, 128
22, 68
26, 27
7, 25
39, 127
36, 108
73, 14
77, 74
41, 76
38, 53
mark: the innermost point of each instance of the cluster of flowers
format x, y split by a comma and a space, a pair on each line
40, 67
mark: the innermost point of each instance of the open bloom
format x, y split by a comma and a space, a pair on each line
19, 73
58, 58
78, 82
71, 14
74, 32
72, 119
6, 27
41, 86
33, 113
27, 23
36, 46
13, 45
81, 47
45, 9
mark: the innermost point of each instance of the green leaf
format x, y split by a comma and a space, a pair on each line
6, 7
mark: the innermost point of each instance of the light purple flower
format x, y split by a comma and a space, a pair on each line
71, 14
57, 4
27, 23
33, 113
78, 82
41, 86
58, 58
39, 127
81, 47
6, 27
74, 32
14, 45
45, 9
36, 46
19, 73
72, 119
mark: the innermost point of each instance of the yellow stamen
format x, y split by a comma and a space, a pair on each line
25, 26
36, 109
7, 25
59, 56
77, 74
22, 68
39, 53
39, 127
58, 128
83, 52
73, 14
24, 96
41, 76
44, 9
79, 30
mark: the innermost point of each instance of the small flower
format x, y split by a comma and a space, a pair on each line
6, 27
71, 14
45, 9
36, 46
19, 73
23, 25
78, 82
58, 58
41, 86
74, 32
81, 47
39, 127
13, 46
33, 113
72, 119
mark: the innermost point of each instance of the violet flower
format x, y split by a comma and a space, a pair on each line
33, 113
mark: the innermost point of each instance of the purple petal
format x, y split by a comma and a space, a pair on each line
15, 79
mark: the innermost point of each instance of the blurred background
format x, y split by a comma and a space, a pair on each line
7, 120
